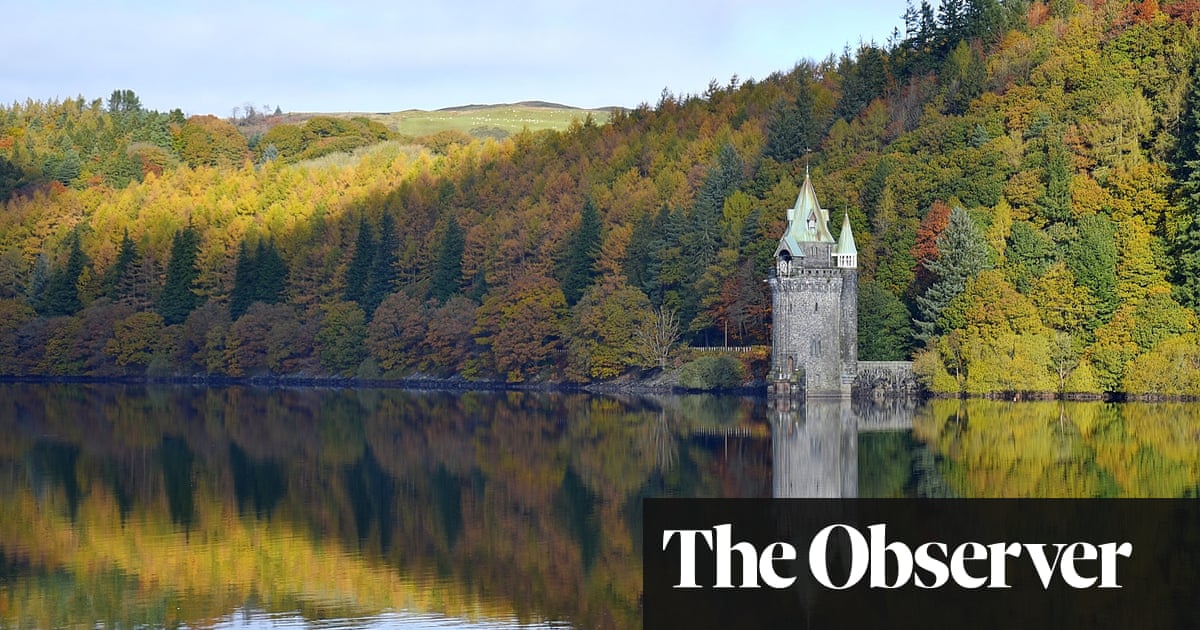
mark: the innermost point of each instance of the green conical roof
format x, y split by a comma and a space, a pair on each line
846, 238
808, 222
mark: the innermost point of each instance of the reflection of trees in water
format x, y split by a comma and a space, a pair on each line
257, 485
51, 465
520, 497
664, 445
845, 448
1064, 449
991, 448
176, 460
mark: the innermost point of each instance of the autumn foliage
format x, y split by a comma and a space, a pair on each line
1069, 134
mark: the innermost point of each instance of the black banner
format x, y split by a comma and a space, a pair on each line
980, 563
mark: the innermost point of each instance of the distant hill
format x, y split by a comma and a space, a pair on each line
545, 104
477, 120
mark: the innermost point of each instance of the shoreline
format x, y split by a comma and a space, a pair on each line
453, 384
647, 386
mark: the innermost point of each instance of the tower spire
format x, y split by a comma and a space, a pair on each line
846, 253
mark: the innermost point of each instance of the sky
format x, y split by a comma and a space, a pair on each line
382, 56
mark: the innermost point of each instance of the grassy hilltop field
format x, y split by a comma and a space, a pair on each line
478, 121
489, 120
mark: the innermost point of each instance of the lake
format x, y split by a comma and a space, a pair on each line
244, 507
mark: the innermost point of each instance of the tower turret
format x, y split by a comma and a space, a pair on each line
846, 253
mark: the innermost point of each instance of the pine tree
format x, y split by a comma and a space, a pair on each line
910, 18
638, 254
984, 18
582, 249
124, 102
952, 18
926, 26
271, 280
1185, 273
65, 167
127, 260
722, 180
382, 277
360, 263
260, 276
179, 297
962, 253
61, 295
792, 130
864, 81
1056, 202
243, 283
10, 177
447, 270
39, 277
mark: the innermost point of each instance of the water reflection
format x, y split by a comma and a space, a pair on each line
816, 452
991, 448
217, 507
985, 448
231, 507
814, 448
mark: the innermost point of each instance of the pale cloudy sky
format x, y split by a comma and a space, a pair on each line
306, 56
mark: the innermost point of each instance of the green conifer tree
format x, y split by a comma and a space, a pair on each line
447, 270
1092, 257
10, 177
792, 130
119, 271
1185, 273
722, 180
1056, 202
962, 253
582, 250
179, 297
864, 80
382, 277
271, 280
39, 277
243, 283
639, 255
260, 276
61, 296
360, 263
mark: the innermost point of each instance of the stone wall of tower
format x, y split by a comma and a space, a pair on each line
807, 322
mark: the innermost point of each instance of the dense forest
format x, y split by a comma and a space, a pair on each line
1023, 180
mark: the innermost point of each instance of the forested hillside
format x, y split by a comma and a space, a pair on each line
1023, 180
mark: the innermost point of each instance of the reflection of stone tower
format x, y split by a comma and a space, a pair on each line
814, 448
814, 301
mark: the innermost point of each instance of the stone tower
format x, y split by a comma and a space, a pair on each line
814, 302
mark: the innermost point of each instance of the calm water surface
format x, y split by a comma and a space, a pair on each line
242, 507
